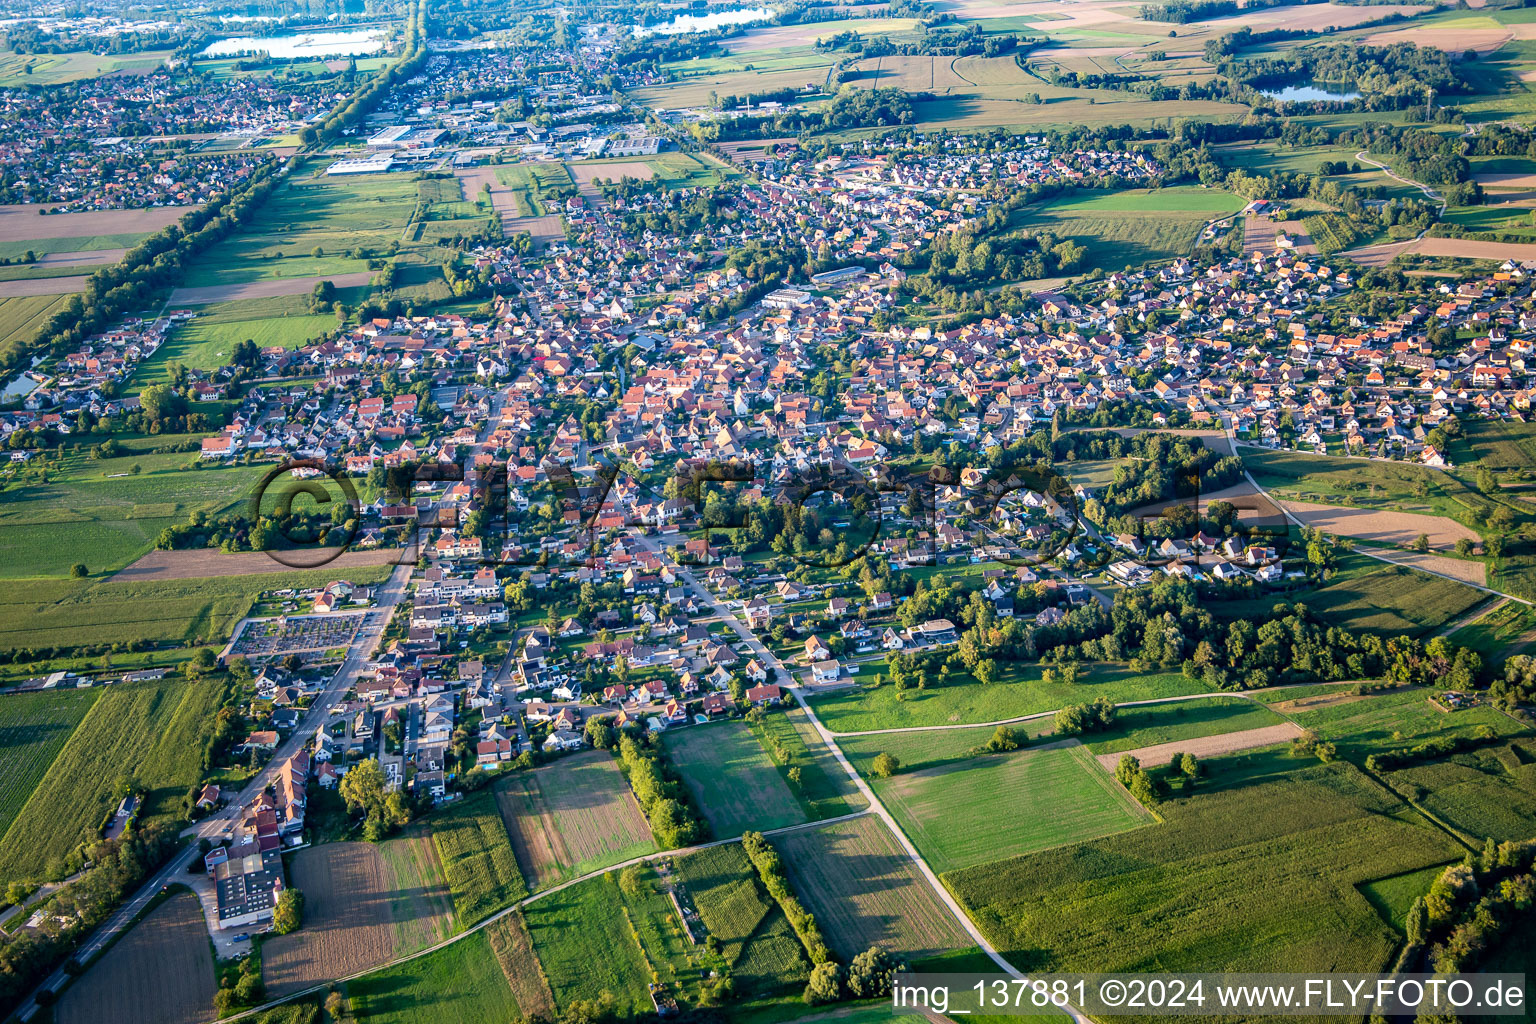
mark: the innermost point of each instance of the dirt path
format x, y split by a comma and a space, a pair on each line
1206, 746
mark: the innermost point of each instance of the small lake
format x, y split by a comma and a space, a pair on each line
297, 45
1311, 92
703, 22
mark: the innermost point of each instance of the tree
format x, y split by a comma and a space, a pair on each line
826, 984
1189, 765
885, 765
1127, 770
289, 912
1004, 738
1464, 547
869, 975
78, 571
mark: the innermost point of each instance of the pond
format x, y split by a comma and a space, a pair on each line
703, 22
1311, 92
297, 45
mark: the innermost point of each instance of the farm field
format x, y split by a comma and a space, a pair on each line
1381, 527
1500, 445
587, 948
461, 982
1384, 486
732, 779
825, 789
208, 342
33, 729
160, 970
477, 858
1020, 691
19, 223
1493, 633
22, 316
513, 948
41, 613
862, 889
359, 903
1151, 724
1397, 718
1393, 896
672, 169
150, 732
1377, 597
1166, 224
1287, 879
756, 940
44, 69
571, 818
993, 806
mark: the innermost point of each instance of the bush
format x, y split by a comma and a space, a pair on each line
826, 984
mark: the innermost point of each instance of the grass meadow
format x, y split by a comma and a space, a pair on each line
151, 733
461, 982
1152, 724
1259, 877
825, 790
1166, 222
588, 947
732, 779
22, 316
993, 806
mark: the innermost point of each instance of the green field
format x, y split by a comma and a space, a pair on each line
461, 982
587, 946
40, 614
1258, 877
672, 170
1393, 896
963, 701
1166, 224
22, 316
1493, 633
1394, 719
994, 806
732, 779
477, 858
1152, 724
1485, 793
825, 790
1401, 487
208, 342
151, 733
338, 216
758, 944
19, 70
33, 729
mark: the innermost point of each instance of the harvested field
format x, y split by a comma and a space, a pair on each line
420, 905
1467, 248
475, 179
1455, 36
161, 971
23, 223
83, 258
773, 37
1379, 526
346, 918
1317, 701
204, 562
1313, 17
1206, 746
863, 889
267, 289
1465, 570
571, 818
41, 286
1259, 234
525, 975
1519, 181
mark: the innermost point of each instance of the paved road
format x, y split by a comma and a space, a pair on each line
389, 595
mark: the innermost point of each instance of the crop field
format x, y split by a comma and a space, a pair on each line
208, 342
993, 806
571, 818
513, 948
1020, 691
1259, 877
1501, 446
21, 316
160, 970
1484, 793
863, 889
755, 937
732, 779
40, 614
477, 858
1166, 723
1166, 224
1491, 634
360, 902
1381, 527
33, 729
461, 983
1398, 487
932, 748
18, 70
587, 947
152, 732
